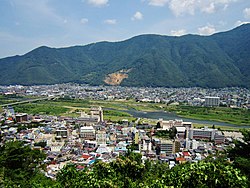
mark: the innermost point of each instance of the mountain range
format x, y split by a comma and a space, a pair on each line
218, 60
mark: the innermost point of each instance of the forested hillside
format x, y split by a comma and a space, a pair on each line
219, 60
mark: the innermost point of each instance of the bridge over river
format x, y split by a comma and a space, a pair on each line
28, 101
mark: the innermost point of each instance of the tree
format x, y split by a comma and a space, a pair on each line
158, 125
131, 172
19, 163
42, 144
124, 172
240, 154
172, 132
203, 174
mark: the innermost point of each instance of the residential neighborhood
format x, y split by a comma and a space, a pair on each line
88, 138
231, 97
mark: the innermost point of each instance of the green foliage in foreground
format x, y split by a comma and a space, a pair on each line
19, 168
131, 173
241, 154
205, 174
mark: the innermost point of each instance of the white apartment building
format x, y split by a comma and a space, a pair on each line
166, 125
212, 101
146, 145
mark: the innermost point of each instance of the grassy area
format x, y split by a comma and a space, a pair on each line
229, 115
118, 105
112, 110
117, 118
6, 99
129, 104
37, 108
223, 128
115, 115
73, 107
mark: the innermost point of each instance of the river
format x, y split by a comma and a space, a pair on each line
172, 116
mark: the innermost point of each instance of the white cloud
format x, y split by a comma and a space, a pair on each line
137, 16
84, 20
238, 23
181, 7
209, 9
206, 30
178, 32
246, 13
159, 3
225, 1
98, 3
110, 21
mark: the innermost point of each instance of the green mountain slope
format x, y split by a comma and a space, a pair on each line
219, 60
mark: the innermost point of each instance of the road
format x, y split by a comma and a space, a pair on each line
28, 101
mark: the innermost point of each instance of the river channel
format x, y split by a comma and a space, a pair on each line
172, 116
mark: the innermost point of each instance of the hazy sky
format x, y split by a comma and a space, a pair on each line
27, 24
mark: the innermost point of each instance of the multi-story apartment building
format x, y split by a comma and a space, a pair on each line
212, 101
206, 134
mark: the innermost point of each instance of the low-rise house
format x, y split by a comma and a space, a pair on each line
103, 149
101, 137
121, 147
22, 117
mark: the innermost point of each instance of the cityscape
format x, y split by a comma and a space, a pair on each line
125, 94
88, 138
230, 97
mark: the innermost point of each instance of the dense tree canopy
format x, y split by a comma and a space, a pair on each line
125, 172
19, 165
240, 154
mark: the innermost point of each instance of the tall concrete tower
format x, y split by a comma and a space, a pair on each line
97, 112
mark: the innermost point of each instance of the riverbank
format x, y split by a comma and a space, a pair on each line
223, 128
235, 116
201, 115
